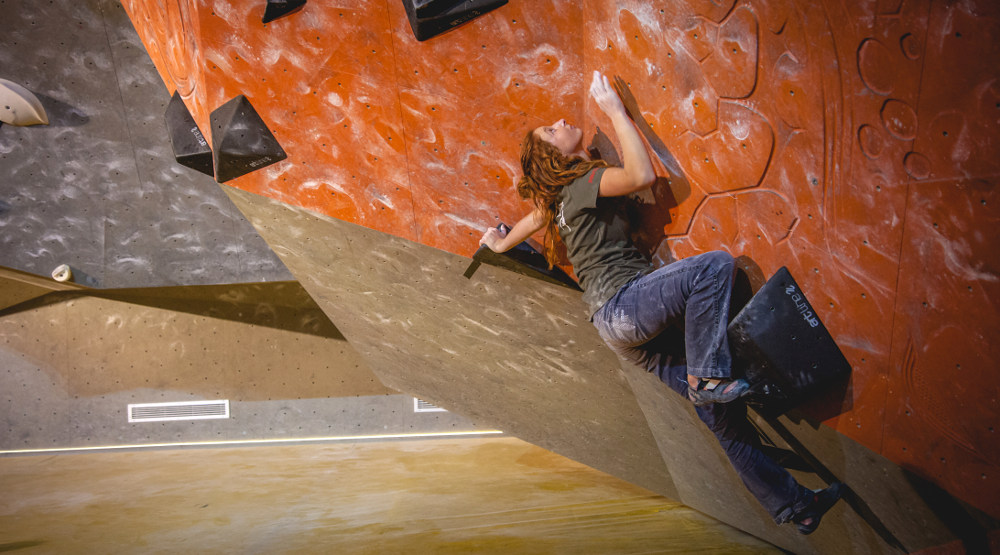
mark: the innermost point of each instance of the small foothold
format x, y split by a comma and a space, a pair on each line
62, 273
21, 106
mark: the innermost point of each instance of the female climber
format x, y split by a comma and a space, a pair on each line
634, 306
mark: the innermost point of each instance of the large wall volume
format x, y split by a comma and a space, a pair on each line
500, 349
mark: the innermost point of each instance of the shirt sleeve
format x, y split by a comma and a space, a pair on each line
586, 189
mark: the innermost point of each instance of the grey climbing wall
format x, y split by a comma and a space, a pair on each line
98, 187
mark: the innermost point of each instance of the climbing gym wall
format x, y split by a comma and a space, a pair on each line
360, 105
852, 142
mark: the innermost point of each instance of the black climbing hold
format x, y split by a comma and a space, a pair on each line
189, 144
429, 18
782, 347
522, 259
241, 140
279, 8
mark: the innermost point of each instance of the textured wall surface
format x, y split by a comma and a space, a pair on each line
853, 142
98, 188
404, 137
423, 327
73, 361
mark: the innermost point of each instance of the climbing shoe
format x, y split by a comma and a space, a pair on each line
808, 519
726, 391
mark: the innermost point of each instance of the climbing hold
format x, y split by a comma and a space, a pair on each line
522, 259
62, 273
189, 144
279, 8
19, 106
782, 347
429, 18
241, 141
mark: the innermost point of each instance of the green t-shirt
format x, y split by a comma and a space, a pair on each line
596, 234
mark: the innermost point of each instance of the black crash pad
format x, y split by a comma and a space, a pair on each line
241, 140
784, 350
190, 147
429, 18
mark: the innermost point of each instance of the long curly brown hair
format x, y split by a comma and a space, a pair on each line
545, 172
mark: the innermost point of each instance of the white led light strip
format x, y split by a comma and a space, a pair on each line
225, 443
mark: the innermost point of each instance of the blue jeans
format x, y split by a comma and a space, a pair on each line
672, 322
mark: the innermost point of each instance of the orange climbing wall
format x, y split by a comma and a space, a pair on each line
409, 138
854, 142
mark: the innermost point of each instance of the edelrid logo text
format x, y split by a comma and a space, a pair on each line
802, 306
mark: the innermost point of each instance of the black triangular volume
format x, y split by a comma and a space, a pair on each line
279, 8
430, 18
189, 144
778, 341
241, 140
522, 259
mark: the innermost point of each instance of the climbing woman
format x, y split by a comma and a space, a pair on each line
634, 306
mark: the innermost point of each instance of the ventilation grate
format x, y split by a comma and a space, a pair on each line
420, 405
185, 410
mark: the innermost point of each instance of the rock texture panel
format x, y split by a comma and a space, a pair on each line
98, 187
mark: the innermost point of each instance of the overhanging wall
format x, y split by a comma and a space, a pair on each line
853, 143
